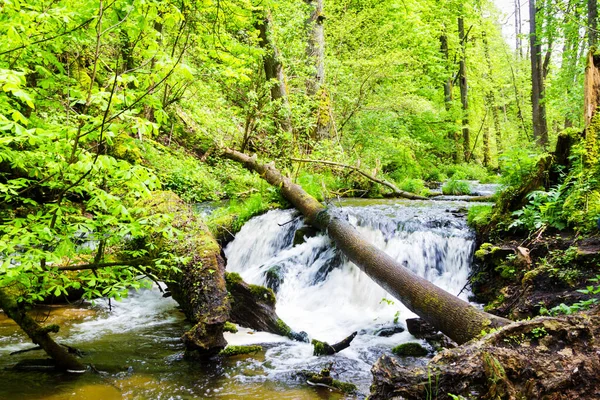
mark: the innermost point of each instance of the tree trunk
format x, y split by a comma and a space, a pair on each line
40, 335
199, 287
491, 96
519, 45
316, 47
273, 67
592, 22
448, 84
315, 88
486, 146
464, 99
454, 317
540, 128
591, 103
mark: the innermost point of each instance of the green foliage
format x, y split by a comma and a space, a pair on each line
469, 171
181, 173
238, 212
544, 209
454, 187
416, 186
592, 290
518, 163
479, 216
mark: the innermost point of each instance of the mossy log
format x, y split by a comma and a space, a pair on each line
544, 358
40, 335
253, 306
454, 317
200, 287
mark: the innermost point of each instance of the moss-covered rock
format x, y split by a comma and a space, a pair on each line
229, 327
324, 378
231, 351
253, 306
411, 349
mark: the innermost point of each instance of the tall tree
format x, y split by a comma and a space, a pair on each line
540, 126
315, 50
273, 66
448, 97
464, 96
518, 32
592, 22
491, 94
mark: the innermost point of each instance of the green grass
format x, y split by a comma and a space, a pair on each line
456, 187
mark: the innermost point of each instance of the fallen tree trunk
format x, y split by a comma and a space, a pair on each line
395, 191
454, 317
40, 335
199, 286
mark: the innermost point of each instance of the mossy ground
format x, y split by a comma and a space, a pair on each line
410, 349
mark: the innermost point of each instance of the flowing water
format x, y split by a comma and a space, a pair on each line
136, 344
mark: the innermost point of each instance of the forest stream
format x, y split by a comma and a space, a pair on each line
135, 345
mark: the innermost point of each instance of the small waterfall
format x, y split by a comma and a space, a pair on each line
322, 293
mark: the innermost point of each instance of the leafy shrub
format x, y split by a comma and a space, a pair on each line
544, 209
181, 173
517, 164
469, 171
454, 187
479, 216
414, 186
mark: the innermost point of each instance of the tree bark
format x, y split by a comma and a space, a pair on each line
464, 98
315, 51
519, 44
491, 96
592, 22
40, 335
454, 317
199, 287
273, 66
448, 84
591, 87
540, 128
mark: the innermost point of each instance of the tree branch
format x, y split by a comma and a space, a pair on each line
397, 192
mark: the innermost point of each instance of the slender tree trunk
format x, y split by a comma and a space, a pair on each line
273, 67
491, 96
486, 146
315, 88
40, 335
592, 22
464, 98
519, 44
315, 49
540, 128
454, 317
448, 84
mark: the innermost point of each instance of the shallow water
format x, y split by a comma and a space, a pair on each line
136, 347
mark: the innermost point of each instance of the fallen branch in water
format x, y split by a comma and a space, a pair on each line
325, 349
396, 192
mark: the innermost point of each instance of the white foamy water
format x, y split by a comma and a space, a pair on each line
325, 295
